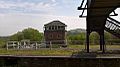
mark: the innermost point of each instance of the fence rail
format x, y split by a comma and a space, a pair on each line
53, 44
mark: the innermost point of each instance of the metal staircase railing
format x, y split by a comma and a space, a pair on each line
113, 26
83, 7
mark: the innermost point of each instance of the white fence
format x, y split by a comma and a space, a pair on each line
26, 44
20, 45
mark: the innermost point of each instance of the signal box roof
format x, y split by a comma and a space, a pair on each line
55, 23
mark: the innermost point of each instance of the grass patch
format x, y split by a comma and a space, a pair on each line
44, 52
76, 46
113, 46
53, 52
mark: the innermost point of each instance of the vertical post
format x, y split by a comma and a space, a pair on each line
45, 43
88, 29
13, 45
85, 45
36, 45
66, 42
7, 46
18, 45
102, 42
87, 41
24, 45
50, 45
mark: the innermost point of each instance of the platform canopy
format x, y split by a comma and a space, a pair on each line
98, 11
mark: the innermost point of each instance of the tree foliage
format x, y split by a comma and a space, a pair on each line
80, 36
29, 33
2, 42
77, 38
94, 38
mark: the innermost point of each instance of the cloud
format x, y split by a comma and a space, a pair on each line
40, 7
5, 5
11, 23
16, 15
53, 0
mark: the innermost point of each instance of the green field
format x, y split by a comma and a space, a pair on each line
53, 52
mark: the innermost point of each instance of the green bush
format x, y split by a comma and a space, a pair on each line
2, 43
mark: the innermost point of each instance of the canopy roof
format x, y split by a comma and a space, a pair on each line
98, 11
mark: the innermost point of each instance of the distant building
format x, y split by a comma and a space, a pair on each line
55, 32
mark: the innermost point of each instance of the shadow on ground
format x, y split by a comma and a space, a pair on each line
97, 53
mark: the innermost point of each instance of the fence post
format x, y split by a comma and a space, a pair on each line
66, 42
24, 45
18, 46
50, 45
13, 45
45, 44
85, 45
36, 45
7, 46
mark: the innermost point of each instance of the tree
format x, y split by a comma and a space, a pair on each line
29, 33
17, 37
2, 43
32, 34
94, 38
76, 38
107, 36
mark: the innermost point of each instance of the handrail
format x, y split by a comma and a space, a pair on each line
114, 20
82, 3
82, 8
113, 26
113, 23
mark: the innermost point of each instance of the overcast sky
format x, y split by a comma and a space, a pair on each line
16, 15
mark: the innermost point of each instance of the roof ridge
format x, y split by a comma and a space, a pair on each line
55, 22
